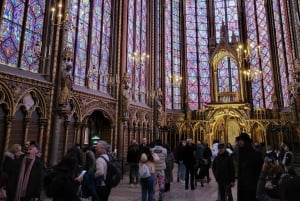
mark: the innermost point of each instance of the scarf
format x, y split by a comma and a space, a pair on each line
23, 178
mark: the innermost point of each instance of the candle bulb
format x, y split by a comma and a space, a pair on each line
52, 14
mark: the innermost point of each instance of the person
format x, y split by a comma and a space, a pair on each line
223, 170
103, 191
249, 167
64, 185
179, 160
160, 167
89, 158
199, 150
26, 146
3, 183
13, 153
133, 155
282, 149
271, 153
76, 153
207, 154
26, 176
235, 155
148, 183
215, 149
287, 187
169, 168
189, 160
144, 146
66, 85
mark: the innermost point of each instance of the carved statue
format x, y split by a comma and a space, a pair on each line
292, 106
275, 106
125, 94
66, 85
66, 77
158, 101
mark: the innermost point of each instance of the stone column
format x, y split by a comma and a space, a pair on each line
66, 127
9, 120
26, 122
43, 123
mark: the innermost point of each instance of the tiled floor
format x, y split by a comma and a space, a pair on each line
178, 193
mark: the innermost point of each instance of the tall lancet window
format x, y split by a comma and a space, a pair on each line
100, 45
257, 30
137, 58
21, 33
197, 54
284, 46
173, 49
81, 50
228, 80
91, 36
226, 11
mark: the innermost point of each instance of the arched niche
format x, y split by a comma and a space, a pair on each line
227, 82
97, 124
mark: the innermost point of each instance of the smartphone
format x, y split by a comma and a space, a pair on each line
82, 172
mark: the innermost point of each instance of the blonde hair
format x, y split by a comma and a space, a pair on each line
144, 158
15, 148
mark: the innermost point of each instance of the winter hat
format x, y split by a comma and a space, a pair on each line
221, 145
34, 143
245, 137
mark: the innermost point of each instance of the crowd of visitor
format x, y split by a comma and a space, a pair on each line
260, 173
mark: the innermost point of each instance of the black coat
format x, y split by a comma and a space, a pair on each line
223, 168
64, 186
249, 167
133, 154
189, 157
35, 181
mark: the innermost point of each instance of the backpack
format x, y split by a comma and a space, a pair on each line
114, 172
144, 171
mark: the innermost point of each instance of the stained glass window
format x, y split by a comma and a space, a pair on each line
197, 54
284, 48
11, 31
137, 48
228, 80
226, 11
257, 30
173, 54
97, 43
82, 43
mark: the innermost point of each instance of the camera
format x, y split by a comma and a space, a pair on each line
269, 159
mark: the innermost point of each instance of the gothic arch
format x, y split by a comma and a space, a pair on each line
6, 98
219, 54
76, 110
98, 106
258, 132
186, 131
32, 100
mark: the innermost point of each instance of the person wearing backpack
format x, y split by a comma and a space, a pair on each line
103, 190
147, 175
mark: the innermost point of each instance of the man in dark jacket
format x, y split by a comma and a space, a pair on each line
189, 160
223, 170
179, 160
26, 176
249, 167
133, 161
